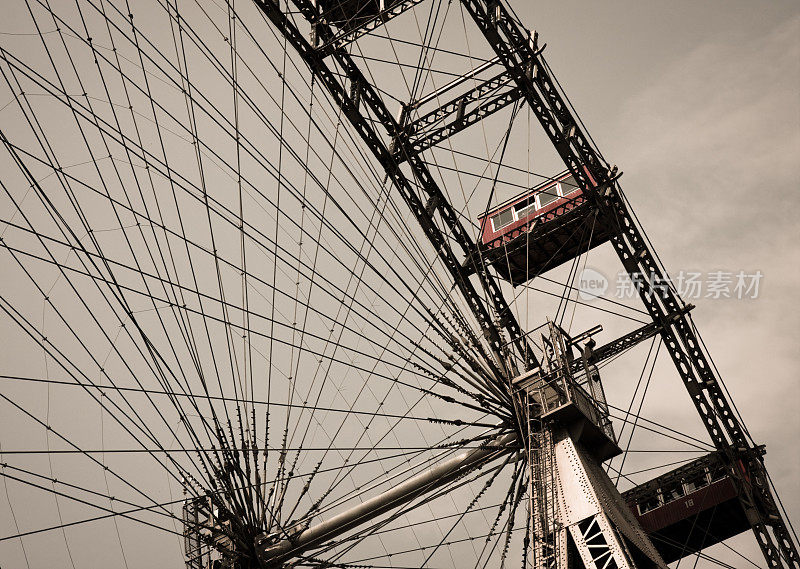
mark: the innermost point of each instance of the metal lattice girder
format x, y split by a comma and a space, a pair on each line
598, 519
706, 392
515, 47
457, 114
627, 341
517, 50
576, 497
549, 548
512, 44
387, 10
622, 343
424, 207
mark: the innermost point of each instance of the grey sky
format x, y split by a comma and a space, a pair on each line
699, 105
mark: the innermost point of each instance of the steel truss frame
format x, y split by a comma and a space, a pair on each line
348, 36
434, 127
425, 206
514, 47
517, 51
572, 498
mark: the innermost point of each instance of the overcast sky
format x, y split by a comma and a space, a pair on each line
699, 105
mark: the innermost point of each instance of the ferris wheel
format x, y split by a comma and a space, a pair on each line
299, 284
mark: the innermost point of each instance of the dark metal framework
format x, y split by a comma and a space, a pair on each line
527, 77
425, 206
455, 115
362, 24
512, 44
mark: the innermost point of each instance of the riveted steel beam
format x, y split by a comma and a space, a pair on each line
460, 112
516, 47
350, 31
423, 190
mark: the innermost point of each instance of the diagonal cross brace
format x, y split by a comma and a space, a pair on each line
516, 49
503, 367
